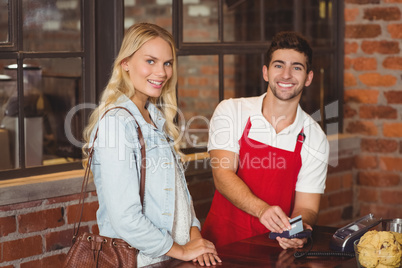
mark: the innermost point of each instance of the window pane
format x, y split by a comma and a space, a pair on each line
200, 21
51, 88
242, 21
314, 19
51, 25
4, 22
243, 76
319, 93
8, 138
198, 94
153, 11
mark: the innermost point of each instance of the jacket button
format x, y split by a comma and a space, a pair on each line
166, 214
168, 189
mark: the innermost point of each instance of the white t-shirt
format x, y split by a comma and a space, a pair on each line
230, 118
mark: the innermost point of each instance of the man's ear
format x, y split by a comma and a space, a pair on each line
265, 73
309, 79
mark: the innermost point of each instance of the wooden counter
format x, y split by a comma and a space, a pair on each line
260, 251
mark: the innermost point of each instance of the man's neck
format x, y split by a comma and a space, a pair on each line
280, 114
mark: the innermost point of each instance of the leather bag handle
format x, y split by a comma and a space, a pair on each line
88, 170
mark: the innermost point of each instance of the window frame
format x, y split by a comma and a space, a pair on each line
222, 48
14, 51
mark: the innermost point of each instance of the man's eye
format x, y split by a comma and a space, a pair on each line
298, 68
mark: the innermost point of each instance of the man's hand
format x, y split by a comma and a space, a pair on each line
274, 219
286, 243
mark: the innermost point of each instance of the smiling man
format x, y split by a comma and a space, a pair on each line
269, 158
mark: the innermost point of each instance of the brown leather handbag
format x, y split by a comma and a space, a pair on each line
96, 251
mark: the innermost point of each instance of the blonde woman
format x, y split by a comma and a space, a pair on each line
143, 81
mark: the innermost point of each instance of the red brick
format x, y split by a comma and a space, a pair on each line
63, 199
347, 63
89, 213
393, 63
362, 2
391, 196
378, 145
395, 30
8, 225
391, 163
41, 220
393, 97
349, 80
329, 216
351, 14
347, 180
382, 13
341, 198
378, 179
381, 211
366, 162
21, 248
362, 31
365, 64
95, 229
392, 130
392, 1
361, 96
324, 203
333, 183
368, 194
351, 47
21, 205
58, 239
46, 262
382, 47
362, 127
344, 164
348, 112
382, 112
377, 80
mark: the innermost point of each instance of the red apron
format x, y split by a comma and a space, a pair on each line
270, 173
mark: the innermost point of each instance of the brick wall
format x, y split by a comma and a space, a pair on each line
38, 234
373, 103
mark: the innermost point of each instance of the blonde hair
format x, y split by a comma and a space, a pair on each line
120, 83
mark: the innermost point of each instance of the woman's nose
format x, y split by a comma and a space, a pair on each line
160, 70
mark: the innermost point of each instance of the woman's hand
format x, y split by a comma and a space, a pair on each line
198, 249
207, 258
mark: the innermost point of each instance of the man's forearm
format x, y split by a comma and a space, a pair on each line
237, 192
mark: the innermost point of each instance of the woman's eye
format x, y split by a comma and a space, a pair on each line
168, 63
151, 61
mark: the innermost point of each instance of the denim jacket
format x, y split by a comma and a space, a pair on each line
116, 170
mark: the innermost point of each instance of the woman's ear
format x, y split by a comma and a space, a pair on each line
124, 65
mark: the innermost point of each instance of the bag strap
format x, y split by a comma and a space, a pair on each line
88, 170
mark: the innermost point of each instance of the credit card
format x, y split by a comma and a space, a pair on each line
297, 225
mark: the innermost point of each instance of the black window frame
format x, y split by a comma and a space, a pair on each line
102, 32
14, 50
